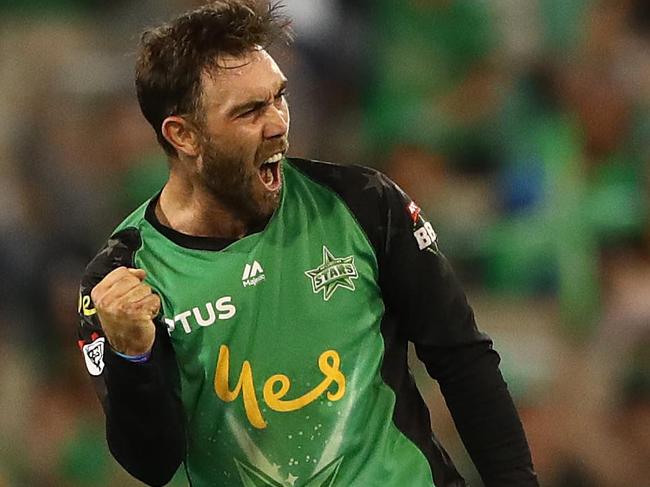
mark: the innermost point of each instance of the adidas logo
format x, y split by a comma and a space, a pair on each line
253, 274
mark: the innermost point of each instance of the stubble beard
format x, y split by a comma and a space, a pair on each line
234, 182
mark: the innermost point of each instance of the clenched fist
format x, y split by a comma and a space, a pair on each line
126, 307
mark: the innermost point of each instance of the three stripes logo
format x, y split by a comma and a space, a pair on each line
253, 274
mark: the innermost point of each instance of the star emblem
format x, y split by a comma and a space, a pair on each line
373, 181
254, 477
336, 174
110, 247
333, 273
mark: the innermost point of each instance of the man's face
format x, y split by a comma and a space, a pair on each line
244, 134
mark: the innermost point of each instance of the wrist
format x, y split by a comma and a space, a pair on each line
137, 359
130, 346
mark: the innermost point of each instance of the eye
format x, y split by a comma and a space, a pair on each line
251, 112
248, 113
281, 94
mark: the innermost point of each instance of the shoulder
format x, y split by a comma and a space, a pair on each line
118, 251
378, 204
366, 191
344, 179
362, 188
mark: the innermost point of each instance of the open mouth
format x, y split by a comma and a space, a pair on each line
270, 173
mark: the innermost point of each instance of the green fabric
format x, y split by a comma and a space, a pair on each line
293, 313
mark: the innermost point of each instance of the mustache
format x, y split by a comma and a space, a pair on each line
267, 151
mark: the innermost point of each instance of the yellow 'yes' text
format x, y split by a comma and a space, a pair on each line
329, 364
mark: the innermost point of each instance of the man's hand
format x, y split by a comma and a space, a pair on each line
126, 307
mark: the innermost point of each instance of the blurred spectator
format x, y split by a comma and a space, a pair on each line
521, 128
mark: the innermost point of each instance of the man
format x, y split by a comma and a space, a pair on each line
252, 319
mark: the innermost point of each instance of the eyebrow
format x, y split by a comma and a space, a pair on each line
254, 104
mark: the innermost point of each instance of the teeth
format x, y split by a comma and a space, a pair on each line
275, 158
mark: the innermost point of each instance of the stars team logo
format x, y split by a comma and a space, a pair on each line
333, 273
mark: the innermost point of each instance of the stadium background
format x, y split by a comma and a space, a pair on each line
521, 127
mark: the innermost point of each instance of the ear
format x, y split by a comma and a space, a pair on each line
182, 135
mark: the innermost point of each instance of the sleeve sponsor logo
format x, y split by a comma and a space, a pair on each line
94, 356
85, 305
423, 232
425, 236
415, 211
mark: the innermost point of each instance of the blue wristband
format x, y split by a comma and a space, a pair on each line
136, 359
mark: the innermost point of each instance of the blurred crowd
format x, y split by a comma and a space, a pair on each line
522, 128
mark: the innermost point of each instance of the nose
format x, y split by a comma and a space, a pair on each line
277, 123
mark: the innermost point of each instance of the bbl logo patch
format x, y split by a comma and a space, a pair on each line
333, 273
423, 232
94, 356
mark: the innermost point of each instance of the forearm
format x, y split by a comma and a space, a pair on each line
144, 425
144, 415
484, 413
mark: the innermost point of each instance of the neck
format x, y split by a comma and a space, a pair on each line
190, 208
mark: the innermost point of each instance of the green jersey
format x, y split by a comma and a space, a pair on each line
280, 358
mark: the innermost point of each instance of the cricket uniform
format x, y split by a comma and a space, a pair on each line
281, 358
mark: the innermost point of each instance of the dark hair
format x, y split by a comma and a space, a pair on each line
173, 56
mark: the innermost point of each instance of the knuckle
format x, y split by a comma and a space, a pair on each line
126, 277
100, 302
118, 271
95, 293
133, 280
111, 309
125, 308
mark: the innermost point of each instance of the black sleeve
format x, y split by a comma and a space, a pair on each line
420, 287
144, 419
